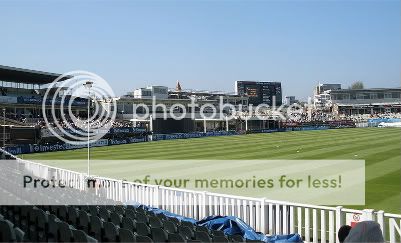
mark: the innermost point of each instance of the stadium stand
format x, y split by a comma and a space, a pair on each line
89, 224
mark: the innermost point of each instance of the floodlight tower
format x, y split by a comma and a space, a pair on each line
88, 84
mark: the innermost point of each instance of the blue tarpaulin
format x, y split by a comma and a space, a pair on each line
230, 225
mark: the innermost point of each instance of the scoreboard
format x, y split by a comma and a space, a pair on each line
260, 92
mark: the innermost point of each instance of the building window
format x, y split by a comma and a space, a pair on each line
359, 96
373, 96
338, 97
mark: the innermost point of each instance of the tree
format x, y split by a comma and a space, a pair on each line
357, 85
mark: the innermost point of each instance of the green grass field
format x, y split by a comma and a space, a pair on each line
380, 147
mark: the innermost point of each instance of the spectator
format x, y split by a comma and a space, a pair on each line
365, 231
343, 232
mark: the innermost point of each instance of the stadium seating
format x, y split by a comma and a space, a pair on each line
7, 231
176, 238
97, 223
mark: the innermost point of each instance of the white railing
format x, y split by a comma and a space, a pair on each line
390, 222
314, 223
76, 180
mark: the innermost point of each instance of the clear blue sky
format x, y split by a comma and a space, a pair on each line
207, 44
